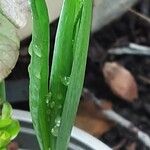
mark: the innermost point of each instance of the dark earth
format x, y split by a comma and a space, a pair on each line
127, 29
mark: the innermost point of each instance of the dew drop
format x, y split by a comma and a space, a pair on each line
37, 51
47, 101
48, 98
54, 131
52, 104
38, 76
65, 81
58, 121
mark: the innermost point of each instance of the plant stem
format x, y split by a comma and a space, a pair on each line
2, 92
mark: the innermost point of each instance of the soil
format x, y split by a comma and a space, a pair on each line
127, 29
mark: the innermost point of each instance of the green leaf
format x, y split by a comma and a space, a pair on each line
5, 122
53, 110
4, 139
9, 128
68, 68
6, 111
61, 65
13, 129
39, 72
77, 75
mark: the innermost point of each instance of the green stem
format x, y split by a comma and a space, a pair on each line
2, 92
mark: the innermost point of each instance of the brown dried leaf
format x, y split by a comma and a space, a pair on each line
121, 81
90, 120
13, 146
131, 146
106, 105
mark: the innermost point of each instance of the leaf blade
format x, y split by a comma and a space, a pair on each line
38, 71
77, 73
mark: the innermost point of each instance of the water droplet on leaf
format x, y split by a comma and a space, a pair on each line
52, 104
48, 98
47, 101
65, 81
54, 131
38, 51
58, 121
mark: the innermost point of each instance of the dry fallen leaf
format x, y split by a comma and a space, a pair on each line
90, 120
13, 146
121, 81
106, 105
131, 146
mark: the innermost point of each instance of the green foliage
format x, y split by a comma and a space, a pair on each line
38, 72
80, 49
9, 128
2, 92
54, 108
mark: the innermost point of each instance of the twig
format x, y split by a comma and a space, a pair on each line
115, 117
141, 16
144, 79
120, 145
137, 47
132, 49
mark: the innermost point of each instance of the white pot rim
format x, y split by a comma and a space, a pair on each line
77, 133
